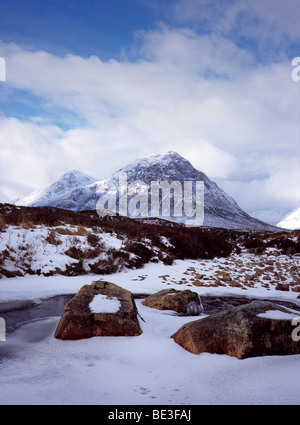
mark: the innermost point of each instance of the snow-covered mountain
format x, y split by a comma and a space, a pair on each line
291, 221
78, 192
59, 193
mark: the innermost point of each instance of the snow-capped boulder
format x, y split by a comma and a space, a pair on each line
184, 302
99, 309
259, 328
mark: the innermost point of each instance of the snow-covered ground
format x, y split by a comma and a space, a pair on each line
44, 249
150, 369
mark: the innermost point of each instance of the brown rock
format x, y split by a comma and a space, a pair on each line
226, 277
184, 302
296, 289
199, 276
219, 283
197, 283
268, 269
235, 284
240, 332
270, 262
78, 322
282, 287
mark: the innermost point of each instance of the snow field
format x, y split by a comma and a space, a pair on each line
149, 369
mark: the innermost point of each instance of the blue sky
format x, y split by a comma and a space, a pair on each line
94, 84
89, 27
104, 28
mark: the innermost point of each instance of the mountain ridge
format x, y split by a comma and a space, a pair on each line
220, 209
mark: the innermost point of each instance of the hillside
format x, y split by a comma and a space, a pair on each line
291, 221
49, 241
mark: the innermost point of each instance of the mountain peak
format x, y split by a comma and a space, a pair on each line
161, 157
77, 191
66, 183
71, 180
75, 178
169, 166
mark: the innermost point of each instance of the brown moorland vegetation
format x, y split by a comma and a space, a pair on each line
144, 240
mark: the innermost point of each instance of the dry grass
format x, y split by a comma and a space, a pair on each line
2, 224
77, 231
81, 231
65, 232
52, 239
27, 224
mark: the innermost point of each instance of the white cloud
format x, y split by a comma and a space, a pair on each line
268, 20
284, 183
28, 154
214, 162
279, 188
183, 47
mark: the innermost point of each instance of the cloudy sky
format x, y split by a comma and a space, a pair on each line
92, 85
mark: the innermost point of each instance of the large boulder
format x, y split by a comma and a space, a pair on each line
184, 302
99, 309
259, 328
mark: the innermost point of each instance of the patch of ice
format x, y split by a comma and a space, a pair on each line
277, 315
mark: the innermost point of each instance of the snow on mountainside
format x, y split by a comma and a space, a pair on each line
58, 191
270, 215
291, 221
220, 210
